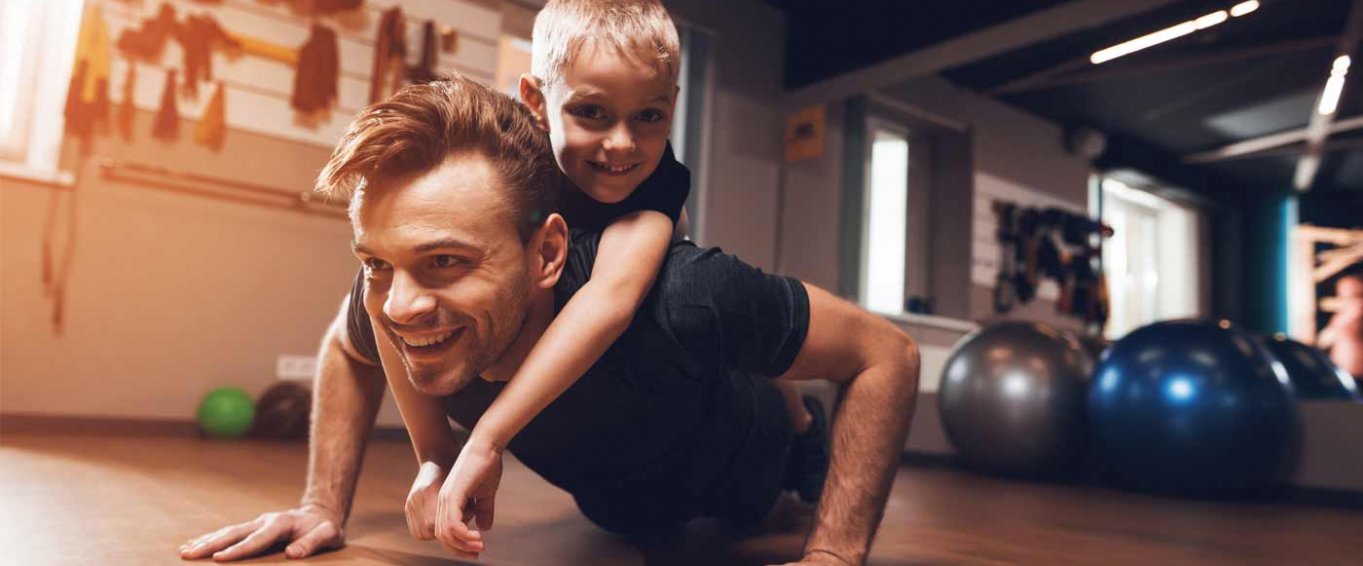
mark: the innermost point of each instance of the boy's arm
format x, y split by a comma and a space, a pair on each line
628, 258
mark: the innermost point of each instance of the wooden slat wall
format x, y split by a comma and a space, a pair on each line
258, 89
985, 247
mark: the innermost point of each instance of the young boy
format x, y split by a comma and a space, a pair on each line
604, 84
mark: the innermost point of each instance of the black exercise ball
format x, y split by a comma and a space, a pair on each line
1194, 408
1312, 373
1012, 399
283, 412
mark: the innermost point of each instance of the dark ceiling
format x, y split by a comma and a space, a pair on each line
825, 38
1247, 77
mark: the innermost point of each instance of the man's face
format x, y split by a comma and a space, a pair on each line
446, 273
609, 119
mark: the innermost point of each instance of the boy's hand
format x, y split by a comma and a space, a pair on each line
421, 500
469, 492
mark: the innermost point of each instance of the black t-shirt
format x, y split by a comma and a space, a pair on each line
664, 191
670, 404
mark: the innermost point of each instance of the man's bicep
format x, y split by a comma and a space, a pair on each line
842, 339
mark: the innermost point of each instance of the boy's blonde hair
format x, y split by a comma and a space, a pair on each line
639, 29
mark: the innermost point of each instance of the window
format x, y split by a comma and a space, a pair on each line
688, 123
34, 35
882, 277
1152, 259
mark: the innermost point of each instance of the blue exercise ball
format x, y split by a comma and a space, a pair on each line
1193, 408
1012, 399
1311, 372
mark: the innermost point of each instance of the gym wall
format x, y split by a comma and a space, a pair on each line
170, 296
1000, 146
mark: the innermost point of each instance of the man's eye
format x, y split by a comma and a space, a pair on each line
589, 111
375, 264
445, 261
651, 116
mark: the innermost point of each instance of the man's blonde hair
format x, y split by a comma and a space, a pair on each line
420, 126
638, 29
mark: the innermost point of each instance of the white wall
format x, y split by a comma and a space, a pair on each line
742, 155
1009, 147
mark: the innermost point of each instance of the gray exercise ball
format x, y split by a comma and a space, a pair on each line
1012, 399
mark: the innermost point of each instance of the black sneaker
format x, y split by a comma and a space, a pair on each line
808, 464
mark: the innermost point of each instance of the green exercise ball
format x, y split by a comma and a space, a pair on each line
226, 412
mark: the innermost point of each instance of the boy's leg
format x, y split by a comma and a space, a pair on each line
809, 451
795, 405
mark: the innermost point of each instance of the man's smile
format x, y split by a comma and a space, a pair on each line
430, 344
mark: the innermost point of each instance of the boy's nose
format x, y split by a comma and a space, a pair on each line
619, 139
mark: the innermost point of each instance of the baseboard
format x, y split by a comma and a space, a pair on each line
22, 423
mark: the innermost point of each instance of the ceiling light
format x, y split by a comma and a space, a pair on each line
1172, 32
1211, 19
1143, 42
1244, 8
1329, 99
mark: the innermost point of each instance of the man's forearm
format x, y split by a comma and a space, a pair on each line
867, 439
345, 403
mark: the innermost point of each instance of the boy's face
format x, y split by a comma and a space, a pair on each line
608, 118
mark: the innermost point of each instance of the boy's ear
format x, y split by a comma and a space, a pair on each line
532, 95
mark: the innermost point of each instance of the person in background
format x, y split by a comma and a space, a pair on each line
1343, 336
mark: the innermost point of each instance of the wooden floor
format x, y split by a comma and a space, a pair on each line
80, 499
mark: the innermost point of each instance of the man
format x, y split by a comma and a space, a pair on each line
1343, 336
465, 264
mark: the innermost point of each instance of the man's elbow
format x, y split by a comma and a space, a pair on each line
897, 351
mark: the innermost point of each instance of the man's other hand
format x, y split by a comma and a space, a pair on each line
307, 530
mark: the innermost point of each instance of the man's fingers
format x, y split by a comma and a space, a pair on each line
483, 512
216, 540
325, 535
420, 522
268, 534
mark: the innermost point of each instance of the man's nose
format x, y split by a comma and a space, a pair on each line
620, 139
408, 301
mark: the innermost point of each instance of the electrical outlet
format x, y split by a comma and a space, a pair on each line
295, 368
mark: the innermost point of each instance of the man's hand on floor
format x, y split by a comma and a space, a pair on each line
422, 499
306, 529
818, 558
469, 492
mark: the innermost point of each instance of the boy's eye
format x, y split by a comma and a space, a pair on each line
588, 111
650, 116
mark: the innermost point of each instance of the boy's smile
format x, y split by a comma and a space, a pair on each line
609, 119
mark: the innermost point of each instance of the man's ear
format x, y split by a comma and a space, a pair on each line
532, 95
550, 249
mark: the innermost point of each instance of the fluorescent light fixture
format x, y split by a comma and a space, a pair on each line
1171, 33
1211, 19
1306, 172
1329, 99
1244, 8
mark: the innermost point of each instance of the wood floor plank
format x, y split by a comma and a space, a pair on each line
121, 499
